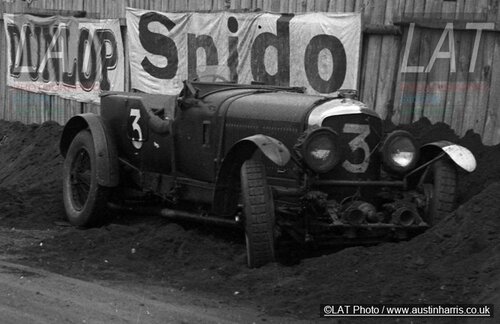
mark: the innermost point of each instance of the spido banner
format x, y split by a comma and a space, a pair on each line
75, 58
318, 51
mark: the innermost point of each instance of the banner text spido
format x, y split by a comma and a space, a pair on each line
318, 51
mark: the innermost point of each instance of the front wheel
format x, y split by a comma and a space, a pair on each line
258, 210
440, 187
84, 199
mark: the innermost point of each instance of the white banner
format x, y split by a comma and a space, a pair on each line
318, 51
75, 58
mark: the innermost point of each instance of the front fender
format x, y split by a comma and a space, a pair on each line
227, 183
105, 149
273, 149
457, 153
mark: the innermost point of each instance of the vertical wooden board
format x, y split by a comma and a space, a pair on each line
302, 6
485, 83
64, 107
35, 103
448, 14
120, 10
163, 6
266, 5
8, 104
396, 10
437, 81
92, 108
460, 10
407, 8
405, 90
491, 132
16, 102
45, 107
337, 6
235, 4
275, 6
322, 5
454, 78
460, 79
448, 10
366, 9
386, 76
156, 4
28, 109
370, 69
285, 6
424, 54
22, 109
310, 5
292, 5
479, 80
349, 5
3, 73
218, 5
55, 113
371, 59
246, 4
377, 13
388, 12
32, 107
181, 5
471, 95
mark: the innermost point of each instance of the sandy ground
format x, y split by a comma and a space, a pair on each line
190, 266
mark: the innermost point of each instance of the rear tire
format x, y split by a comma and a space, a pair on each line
258, 210
442, 181
84, 199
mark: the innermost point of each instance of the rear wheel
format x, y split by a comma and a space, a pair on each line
440, 187
84, 199
258, 210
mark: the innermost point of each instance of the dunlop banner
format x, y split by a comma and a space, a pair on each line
318, 51
75, 58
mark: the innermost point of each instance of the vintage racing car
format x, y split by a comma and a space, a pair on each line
273, 160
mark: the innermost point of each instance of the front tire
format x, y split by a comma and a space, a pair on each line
84, 199
442, 190
258, 210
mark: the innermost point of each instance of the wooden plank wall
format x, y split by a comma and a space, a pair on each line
463, 100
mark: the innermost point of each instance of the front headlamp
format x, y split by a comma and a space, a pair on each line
399, 151
319, 150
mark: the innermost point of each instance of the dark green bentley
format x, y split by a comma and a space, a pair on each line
279, 163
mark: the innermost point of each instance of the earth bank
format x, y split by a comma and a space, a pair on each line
455, 262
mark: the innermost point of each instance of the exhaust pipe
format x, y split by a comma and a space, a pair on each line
404, 216
358, 212
174, 214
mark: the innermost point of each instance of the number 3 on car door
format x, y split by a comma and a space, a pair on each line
134, 129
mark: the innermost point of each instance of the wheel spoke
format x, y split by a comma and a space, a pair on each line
81, 178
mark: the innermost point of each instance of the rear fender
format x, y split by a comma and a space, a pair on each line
104, 146
460, 155
227, 183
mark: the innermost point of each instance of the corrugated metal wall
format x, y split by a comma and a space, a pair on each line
471, 101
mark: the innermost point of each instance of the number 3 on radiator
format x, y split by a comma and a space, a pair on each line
359, 142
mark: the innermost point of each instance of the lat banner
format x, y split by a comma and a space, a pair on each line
74, 58
318, 51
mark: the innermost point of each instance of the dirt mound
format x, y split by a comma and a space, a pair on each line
488, 168
457, 261
30, 174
